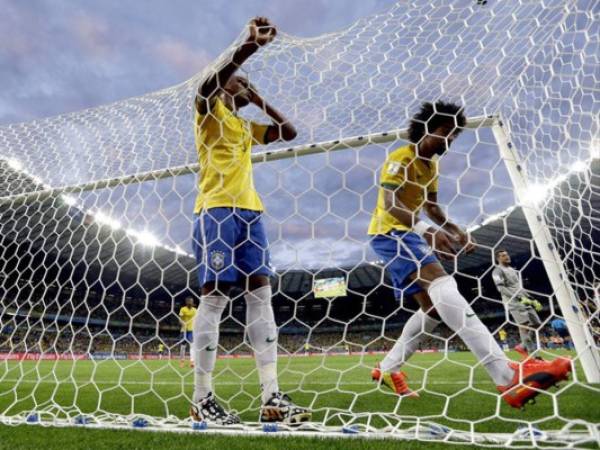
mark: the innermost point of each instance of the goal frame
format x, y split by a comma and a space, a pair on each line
557, 273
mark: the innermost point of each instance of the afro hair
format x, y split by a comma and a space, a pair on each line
431, 116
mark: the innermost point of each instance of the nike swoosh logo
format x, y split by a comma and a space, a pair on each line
271, 339
211, 349
470, 315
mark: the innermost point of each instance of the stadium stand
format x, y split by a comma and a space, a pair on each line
81, 277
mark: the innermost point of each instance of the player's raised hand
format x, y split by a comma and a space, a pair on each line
262, 31
441, 242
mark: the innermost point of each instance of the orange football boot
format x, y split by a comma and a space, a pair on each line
396, 381
533, 376
522, 351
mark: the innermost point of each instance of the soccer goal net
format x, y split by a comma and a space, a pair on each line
96, 217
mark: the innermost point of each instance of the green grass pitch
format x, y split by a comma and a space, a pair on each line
328, 384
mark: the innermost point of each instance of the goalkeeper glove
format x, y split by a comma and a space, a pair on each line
525, 301
533, 303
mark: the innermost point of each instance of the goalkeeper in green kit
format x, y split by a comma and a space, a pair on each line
522, 308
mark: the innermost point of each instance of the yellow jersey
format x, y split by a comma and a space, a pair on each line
161, 347
415, 177
187, 316
224, 142
502, 335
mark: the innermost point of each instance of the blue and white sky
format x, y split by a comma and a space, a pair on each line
370, 75
61, 56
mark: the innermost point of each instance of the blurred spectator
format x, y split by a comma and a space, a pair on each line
559, 326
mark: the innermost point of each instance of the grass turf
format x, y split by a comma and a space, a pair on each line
26, 437
328, 384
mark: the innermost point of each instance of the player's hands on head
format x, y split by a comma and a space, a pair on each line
254, 96
441, 242
262, 31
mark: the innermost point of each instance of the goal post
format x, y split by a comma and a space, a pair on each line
578, 324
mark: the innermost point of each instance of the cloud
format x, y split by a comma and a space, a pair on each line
67, 55
313, 253
93, 34
181, 56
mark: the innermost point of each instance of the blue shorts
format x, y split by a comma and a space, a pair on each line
403, 253
187, 336
230, 244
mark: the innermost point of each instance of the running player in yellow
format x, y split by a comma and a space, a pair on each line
230, 242
406, 244
503, 336
186, 317
306, 348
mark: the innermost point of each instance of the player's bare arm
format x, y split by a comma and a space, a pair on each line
281, 128
438, 216
438, 239
261, 32
181, 321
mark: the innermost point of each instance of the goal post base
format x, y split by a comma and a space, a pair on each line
356, 427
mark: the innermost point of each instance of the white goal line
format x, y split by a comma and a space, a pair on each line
307, 384
274, 155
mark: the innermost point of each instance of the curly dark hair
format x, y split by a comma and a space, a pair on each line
434, 115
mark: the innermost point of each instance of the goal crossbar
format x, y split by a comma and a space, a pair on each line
274, 155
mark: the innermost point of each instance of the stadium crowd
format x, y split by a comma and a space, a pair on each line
86, 321
91, 339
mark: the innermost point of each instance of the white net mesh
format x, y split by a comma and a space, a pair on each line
96, 222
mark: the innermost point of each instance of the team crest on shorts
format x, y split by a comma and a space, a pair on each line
217, 260
425, 249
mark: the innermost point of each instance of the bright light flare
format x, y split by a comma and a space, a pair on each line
15, 164
107, 220
537, 193
144, 237
69, 200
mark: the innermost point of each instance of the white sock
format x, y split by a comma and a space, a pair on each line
528, 339
413, 333
460, 318
182, 352
202, 385
262, 331
267, 375
206, 339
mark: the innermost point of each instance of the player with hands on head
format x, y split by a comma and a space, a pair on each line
230, 242
408, 248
